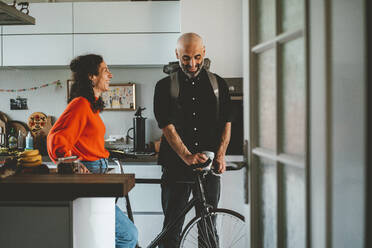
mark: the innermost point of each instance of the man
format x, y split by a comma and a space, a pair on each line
193, 114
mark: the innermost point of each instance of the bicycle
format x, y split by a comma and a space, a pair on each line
211, 228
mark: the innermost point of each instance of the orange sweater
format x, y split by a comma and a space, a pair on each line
78, 131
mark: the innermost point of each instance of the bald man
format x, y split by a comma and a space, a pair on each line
194, 119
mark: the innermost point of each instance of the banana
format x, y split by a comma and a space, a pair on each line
32, 164
29, 153
30, 159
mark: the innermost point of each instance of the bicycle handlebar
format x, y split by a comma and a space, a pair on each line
202, 165
239, 166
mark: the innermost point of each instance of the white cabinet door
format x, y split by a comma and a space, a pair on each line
126, 17
128, 49
51, 18
149, 226
145, 201
37, 50
35, 224
144, 197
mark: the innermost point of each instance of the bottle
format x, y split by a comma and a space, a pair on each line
2, 137
29, 142
12, 140
20, 141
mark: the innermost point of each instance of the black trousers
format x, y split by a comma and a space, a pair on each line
174, 197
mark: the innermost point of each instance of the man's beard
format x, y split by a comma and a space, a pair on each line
191, 74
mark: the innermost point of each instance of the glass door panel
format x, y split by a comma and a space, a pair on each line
266, 100
292, 15
294, 207
267, 203
265, 20
292, 126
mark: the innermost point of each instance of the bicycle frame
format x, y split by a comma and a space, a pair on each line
195, 201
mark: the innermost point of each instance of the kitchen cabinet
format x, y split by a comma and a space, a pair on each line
149, 227
51, 18
29, 224
124, 33
126, 17
145, 201
58, 224
145, 197
128, 49
37, 50
81, 207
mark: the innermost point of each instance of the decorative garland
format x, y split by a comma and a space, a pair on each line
57, 83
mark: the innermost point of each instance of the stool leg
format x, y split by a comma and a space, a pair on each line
129, 208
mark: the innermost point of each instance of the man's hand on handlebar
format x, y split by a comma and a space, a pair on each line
197, 158
219, 164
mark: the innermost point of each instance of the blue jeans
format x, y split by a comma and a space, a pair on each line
126, 234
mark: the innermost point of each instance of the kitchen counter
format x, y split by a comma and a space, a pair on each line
60, 211
140, 160
25, 187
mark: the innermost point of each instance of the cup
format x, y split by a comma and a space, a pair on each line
68, 165
209, 154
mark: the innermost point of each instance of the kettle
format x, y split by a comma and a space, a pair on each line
139, 131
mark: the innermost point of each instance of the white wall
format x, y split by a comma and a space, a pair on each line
53, 100
219, 22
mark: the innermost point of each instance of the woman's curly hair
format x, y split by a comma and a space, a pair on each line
82, 68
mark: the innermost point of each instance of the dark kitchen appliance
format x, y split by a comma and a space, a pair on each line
236, 95
139, 131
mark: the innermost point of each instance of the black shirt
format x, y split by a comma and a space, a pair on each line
195, 118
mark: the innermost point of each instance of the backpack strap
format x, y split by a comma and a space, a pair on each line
175, 89
175, 85
214, 84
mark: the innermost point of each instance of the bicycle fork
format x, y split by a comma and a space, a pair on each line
207, 233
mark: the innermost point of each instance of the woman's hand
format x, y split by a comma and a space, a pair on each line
83, 169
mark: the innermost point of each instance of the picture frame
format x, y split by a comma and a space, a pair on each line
18, 103
120, 97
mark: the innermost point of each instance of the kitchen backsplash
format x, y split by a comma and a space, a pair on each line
52, 100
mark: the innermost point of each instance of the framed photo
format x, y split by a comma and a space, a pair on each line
120, 97
18, 103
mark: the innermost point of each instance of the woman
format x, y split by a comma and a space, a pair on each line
80, 130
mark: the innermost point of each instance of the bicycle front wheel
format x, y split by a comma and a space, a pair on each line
221, 228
